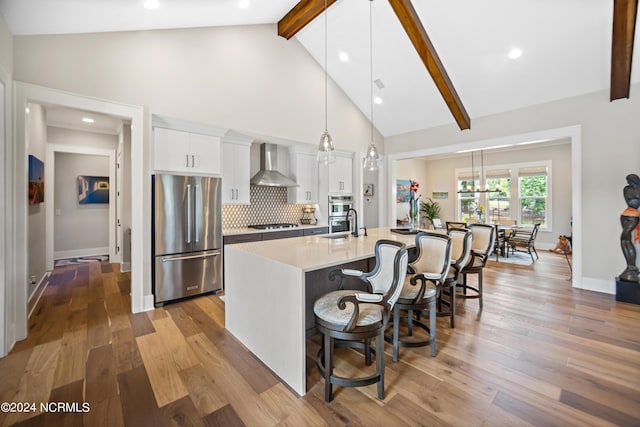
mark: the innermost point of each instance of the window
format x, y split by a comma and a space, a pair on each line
533, 194
522, 193
499, 202
468, 202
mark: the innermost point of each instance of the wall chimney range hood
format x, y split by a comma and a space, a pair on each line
268, 175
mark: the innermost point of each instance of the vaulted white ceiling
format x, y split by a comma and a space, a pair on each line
566, 47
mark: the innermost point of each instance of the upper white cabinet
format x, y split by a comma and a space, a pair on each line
303, 169
186, 152
236, 156
341, 174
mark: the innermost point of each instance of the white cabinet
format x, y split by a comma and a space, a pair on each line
235, 172
185, 152
303, 169
341, 175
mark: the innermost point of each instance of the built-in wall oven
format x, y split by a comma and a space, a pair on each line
338, 209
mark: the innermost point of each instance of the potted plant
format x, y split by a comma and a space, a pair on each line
430, 210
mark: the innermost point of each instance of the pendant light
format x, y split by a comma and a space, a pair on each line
482, 187
326, 152
372, 161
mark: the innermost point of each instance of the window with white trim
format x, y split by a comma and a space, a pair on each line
519, 191
468, 201
533, 193
499, 201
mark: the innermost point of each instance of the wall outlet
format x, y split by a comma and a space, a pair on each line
33, 279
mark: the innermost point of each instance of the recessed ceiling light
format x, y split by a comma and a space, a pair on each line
243, 4
344, 57
151, 4
26, 110
515, 53
377, 100
87, 120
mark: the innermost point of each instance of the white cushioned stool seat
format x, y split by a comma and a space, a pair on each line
410, 292
326, 308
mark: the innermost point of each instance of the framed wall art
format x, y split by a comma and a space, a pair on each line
36, 180
93, 189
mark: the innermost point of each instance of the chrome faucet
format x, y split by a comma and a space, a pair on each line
354, 233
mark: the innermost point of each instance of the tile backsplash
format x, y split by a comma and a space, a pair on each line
268, 205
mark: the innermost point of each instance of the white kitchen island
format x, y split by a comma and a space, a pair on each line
265, 293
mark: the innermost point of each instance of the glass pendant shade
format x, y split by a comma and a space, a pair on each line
326, 152
372, 161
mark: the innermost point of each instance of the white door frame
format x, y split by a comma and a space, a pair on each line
49, 195
141, 297
6, 219
573, 133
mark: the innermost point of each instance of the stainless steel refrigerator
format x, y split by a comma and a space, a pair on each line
187, 236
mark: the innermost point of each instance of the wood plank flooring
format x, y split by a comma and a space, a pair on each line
540, 353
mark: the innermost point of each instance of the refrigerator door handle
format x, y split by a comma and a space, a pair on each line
189, 213
206, 255
197, 211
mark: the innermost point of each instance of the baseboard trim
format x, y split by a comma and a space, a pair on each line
149, 303
545, 246
125, 267
37, 293
76, 253
598, 285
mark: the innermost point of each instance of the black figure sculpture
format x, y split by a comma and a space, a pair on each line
630, 220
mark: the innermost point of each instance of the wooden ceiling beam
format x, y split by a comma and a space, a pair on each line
418, 36
301, 14
624, 24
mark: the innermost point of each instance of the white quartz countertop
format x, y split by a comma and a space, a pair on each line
247, 230
315, 252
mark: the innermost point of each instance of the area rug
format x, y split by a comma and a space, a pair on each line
80, 260
520, 258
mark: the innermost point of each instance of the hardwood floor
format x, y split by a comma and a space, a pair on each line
540, 353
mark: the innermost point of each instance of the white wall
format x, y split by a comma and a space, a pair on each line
370, 203
36, 134
78, 138
610, 147
6, 46
79, 230
244, 78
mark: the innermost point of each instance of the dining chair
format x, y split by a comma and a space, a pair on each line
504, 228
350, 318
453, 224
482, 243
523, 240
437, 224
430, 267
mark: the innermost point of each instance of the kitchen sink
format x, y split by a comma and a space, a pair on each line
335, 236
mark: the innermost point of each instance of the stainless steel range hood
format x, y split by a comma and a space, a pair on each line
268, 175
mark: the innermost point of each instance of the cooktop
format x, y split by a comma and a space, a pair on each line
273, 226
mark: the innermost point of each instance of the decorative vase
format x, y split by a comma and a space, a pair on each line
413, 214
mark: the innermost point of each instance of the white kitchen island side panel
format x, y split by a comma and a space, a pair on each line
264, 309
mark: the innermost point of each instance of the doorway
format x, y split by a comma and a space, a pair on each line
571, 133
25, 93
